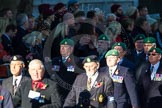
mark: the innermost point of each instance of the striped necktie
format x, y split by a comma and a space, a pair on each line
89, 84
15, 86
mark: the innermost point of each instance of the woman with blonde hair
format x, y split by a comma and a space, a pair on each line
62, 30
114, 31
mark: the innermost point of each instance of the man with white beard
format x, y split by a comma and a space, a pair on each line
103, 45
92, 88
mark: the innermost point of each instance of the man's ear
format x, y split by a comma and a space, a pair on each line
118, 59
98, 65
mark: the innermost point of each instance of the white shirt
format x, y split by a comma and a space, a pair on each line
18, 80
113, 69
93, 78
154, 69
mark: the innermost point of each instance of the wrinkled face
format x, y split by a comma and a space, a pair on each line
36, 71
139, 45
154, 57
66, 50
112, 61
148, 46
91, 68
16, 67
102, 45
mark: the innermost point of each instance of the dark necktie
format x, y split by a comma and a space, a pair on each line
89, 84
15, 86
152, 72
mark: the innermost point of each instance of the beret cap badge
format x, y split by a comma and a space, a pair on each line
14, 58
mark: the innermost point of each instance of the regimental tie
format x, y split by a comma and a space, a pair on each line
152, 72
110, 72
89, 84
15, 86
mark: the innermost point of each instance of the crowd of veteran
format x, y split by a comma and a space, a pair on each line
72, 58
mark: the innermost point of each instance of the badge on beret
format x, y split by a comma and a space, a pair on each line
104, 38
65, 42
14, 58
119, 44
88, 60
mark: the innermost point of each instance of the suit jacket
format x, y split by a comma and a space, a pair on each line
65, 73
6, 102
125, 90
51, 98
150, 87
80, 85
8, 84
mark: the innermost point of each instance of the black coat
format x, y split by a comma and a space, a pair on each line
125, 90
51, 97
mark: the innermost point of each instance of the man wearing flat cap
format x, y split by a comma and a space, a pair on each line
103, 44
98, 84
16, 67
151, 79
66, 67
124, 81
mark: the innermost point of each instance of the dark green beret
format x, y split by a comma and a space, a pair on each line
155, 50
17, 58
103, 37
91, 58
149, 40
67, 42
123, 45
112, 52
139, 37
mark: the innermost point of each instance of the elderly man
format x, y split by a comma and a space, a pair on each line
38, 92
66, 67
91, 88
151, 79
102, 47
16, 67
124, 82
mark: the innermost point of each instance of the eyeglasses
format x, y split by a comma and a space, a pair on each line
152, 54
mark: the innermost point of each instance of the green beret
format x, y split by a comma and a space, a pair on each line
67, 42
91, 58
149, 40
103, 37
139, 37
155, 50
123, 45
17, 58
112, 52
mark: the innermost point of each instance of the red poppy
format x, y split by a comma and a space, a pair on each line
1, 97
